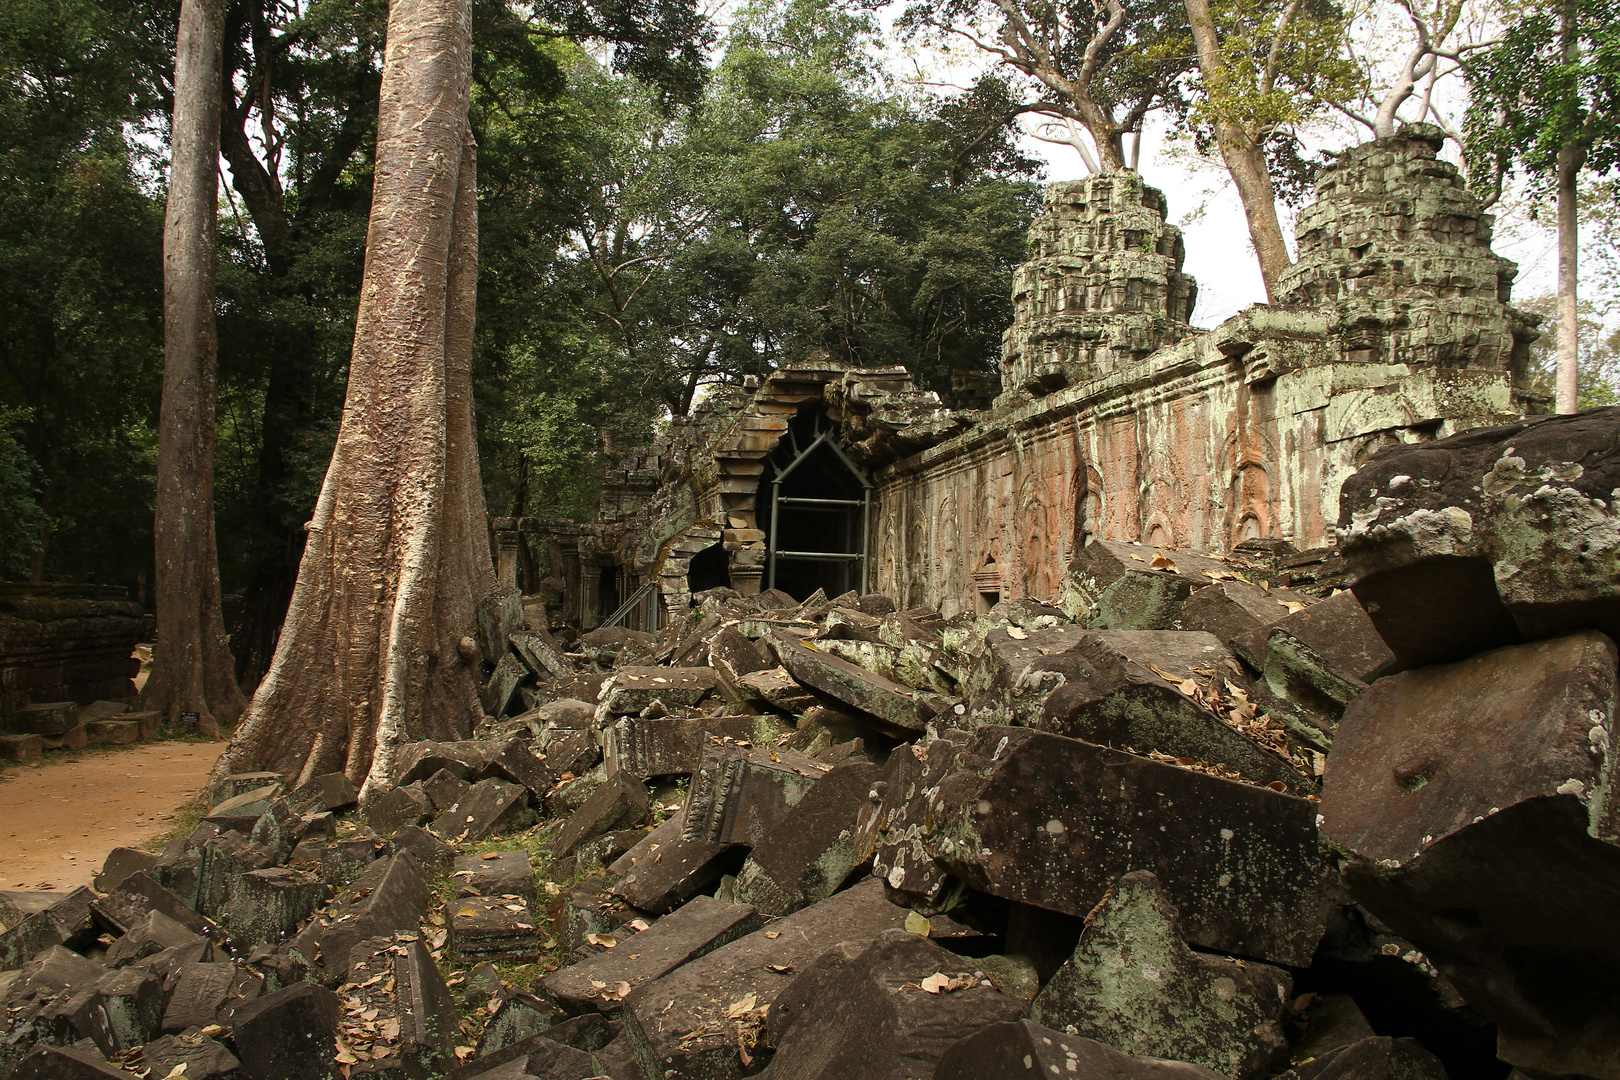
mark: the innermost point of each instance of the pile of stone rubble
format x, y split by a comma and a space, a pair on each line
1197, 817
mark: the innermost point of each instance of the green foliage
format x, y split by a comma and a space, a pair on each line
20, 515
1552, 81
80, 242
1597, 379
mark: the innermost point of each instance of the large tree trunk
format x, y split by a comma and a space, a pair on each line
374, 652
1244, 158
192, 669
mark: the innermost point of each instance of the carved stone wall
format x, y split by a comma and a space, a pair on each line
1394, 328
68, 643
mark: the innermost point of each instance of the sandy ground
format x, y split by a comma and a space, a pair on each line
61, 818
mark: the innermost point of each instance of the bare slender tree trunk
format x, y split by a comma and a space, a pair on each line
192, 669
1570, 160
375, 650
1244, 158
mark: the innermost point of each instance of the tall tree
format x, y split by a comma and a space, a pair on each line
1547, 99
374, 651
192, 670
1264, 66
1100, 64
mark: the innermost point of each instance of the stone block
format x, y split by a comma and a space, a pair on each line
665, 833
122, 862
501, 692
511, 760
811, 850
444, 789
399, 807
618, 804
74, 738
234, 784
1482, 539
44, 718
1337, 629
517, 1017
1471, 801
150, 722
1118, 586
329, 791
776, 688
112, 732
891, 1011
891, 708
665, 878
391, 897
202, 1057
536, 1056
632, 689
1000, 1051
428, 850
1128, 689
241, 812
21, 747
572, 753
668, 746
1373, 1058
117, 1012
66, 1063
138, 895
290, 1034
500, 873
465, 759
891, 827
739, 794
1053, 822
1133, 984
490, 928
732, 656
209, 993
688, 1023
152, 934
54, 920
221, 863
541, 654
1230, 608
491, 806
417, 1023
267, 905
602, 982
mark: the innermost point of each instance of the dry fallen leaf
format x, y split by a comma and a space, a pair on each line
742, 1007
638, 925
467, 913
465, 1052
1161, 561
607, 941
1017, 632
773, 934
936, 982
918, 924
492, 855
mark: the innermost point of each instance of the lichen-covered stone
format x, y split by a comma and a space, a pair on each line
1134, 985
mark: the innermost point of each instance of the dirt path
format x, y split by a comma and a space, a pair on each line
62, 817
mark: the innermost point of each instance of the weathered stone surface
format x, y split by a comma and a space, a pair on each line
240, 812
667, 746
65, 1063
234, 784
518, 1017
1118, 586
1472, 799
221, 863
889, 1014
688, 1023
122, 862
139, 894
1016, 1049
511, 760
1375, 1058
152, 934
739, 793
620, 803
1133, 985
491, 806
207, 993
204, 1058
500, 873
290, 1034
465, 760
501, 691
1465, 543
632, 689
1126, 689
427, 849
21, 747
417, 1022
540, 654
391, 897
888, 706
491, 927
732, 656
44, 718
1231, 607
1337, 629
665, 878
1053, 822
444, 789
398, 807
118, 1012
776, 688
267, 905
329, 791
603, 981
534, 1057
811, 850
112, 732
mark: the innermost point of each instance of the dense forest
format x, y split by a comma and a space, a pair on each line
667, 200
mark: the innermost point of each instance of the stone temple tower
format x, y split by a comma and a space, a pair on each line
1103, 286
1397, 252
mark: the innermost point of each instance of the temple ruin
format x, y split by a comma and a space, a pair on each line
1115, 418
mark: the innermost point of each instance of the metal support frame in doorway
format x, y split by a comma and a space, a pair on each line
774, 552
